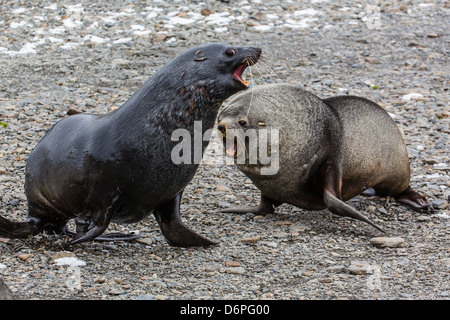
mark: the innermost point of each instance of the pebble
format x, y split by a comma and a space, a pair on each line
251, 240
232, 264
147, 241
360, 267
389, 242
146, 296
116, 292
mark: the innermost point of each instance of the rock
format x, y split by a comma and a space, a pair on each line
25, 256
423, 219
160, 37
298, 227
206, 12
372, 60
120, 62
235, 270
116, 292
147, 241
384, 242
439, 203
251, 240
360, 267
336, 269
212, 267
223, 188
147, 296
232, 264
63, 254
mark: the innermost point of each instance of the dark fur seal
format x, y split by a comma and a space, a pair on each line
329, 150
117, 166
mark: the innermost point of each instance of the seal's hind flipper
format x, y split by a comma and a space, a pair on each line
266, 206
173, 229
340, 208
414, 200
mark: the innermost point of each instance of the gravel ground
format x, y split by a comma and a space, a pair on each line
94, 55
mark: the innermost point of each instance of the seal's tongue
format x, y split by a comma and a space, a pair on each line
231, 150
238, 74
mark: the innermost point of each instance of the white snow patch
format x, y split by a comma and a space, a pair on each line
19, 10
53, 7
15, 25
413, 95
69, 261
69, 45
122, 40
221, 29
307, 12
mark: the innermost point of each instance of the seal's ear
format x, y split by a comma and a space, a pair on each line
200, 56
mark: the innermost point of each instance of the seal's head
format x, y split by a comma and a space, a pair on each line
237, 121
218, 68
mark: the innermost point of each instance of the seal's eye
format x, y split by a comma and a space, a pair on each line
230, 52
242, 122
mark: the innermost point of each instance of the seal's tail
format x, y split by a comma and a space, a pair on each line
12, 229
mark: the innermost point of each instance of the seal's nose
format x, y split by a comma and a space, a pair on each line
222, 127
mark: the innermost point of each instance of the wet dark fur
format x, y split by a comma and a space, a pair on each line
117, 166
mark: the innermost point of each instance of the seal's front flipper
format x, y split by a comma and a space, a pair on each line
101, 221
340, 208
173, 229
266, 206
414, 200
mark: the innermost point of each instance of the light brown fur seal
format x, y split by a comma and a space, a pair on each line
330, 150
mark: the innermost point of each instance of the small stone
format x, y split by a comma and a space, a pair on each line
120, 62
63, 254
212, 268
73, 111
25, 256
270, 244
251, 240
372, 60
384, 242
147, 296
115, 292
235, 270
326, 280
299, 227
147, 241
336, 269
206, 12
232, 264
423, 219
223, 188
439, 203
160, 37
360, 267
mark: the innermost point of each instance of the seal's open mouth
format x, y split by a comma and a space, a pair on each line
238, 75
231, 147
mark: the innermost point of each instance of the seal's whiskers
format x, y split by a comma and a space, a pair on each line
271, 71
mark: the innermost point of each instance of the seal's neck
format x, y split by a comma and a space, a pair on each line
169, 103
